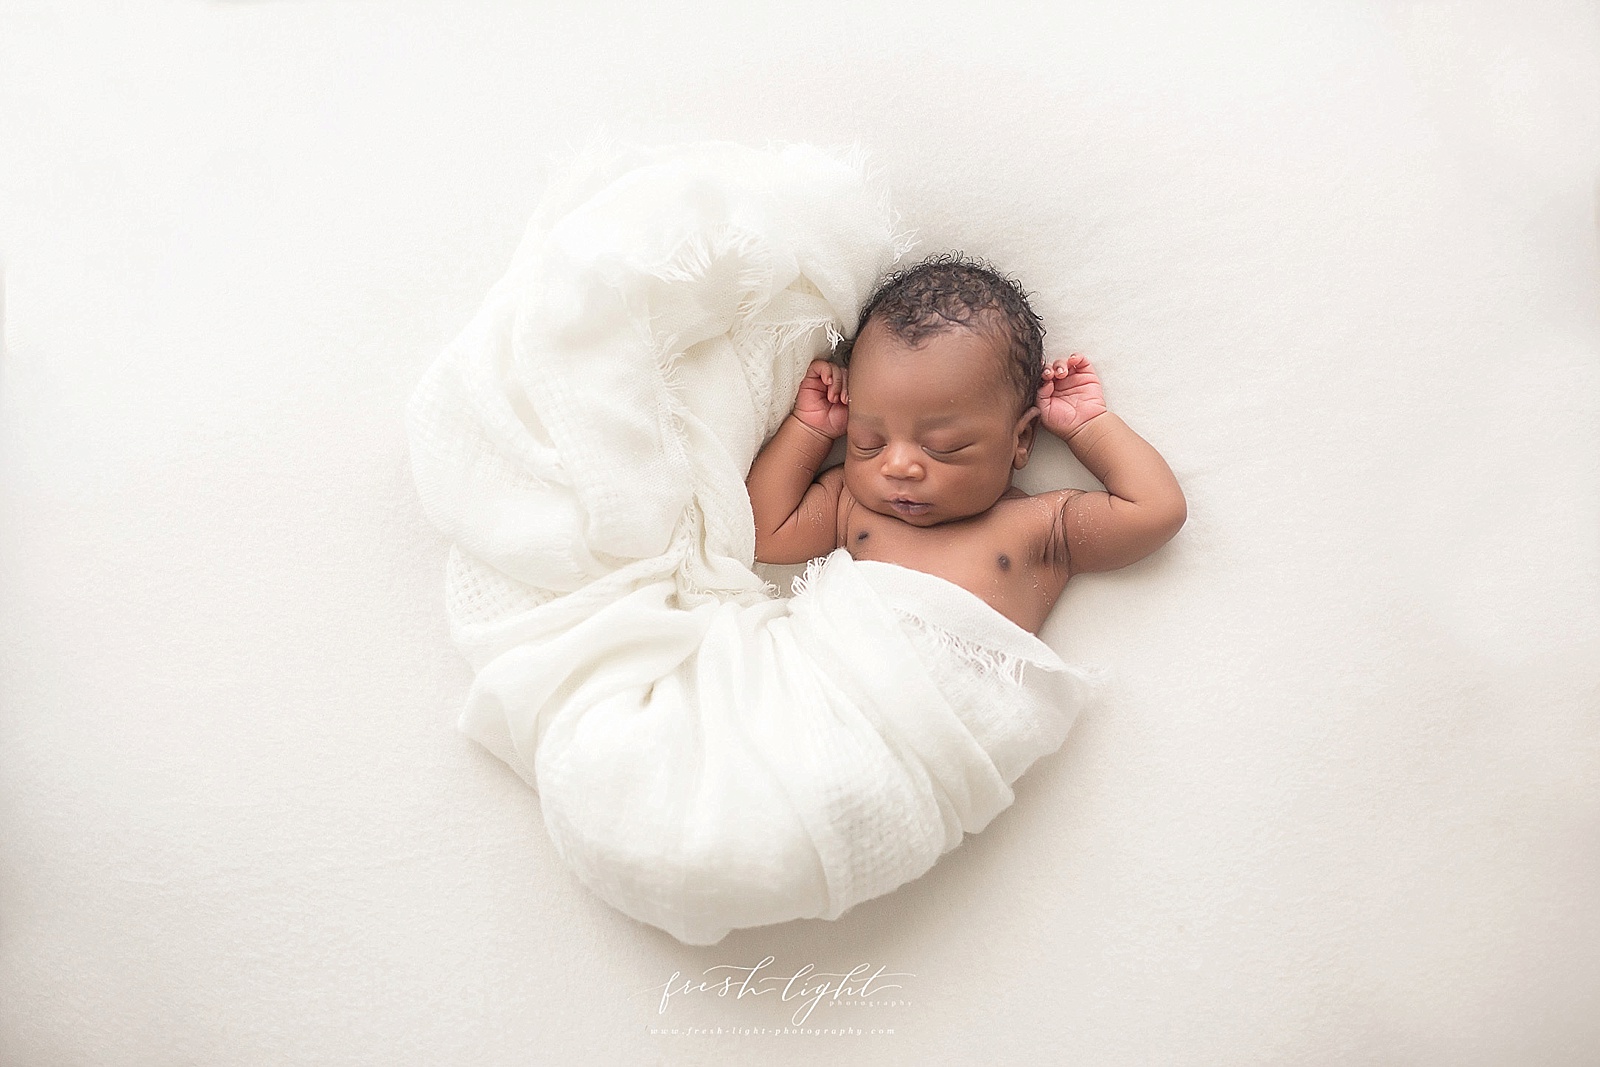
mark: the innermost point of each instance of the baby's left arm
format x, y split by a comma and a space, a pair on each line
1142, 507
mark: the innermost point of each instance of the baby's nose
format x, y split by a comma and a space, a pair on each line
901, 462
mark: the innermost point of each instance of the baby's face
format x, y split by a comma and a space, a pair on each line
933, 434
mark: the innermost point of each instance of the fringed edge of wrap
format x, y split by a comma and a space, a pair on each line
958, 620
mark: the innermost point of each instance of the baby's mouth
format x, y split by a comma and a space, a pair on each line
906, 506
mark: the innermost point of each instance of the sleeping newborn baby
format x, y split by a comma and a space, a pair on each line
940, 396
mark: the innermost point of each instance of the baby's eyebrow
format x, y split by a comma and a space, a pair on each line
931, 422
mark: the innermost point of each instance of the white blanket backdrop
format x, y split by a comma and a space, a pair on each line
1338, 261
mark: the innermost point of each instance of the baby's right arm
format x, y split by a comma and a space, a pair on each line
794, 509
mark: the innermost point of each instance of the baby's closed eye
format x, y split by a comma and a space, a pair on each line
936, 449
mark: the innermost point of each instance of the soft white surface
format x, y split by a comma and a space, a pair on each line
1337, 261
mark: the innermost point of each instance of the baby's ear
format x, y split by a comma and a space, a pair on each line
1027, 423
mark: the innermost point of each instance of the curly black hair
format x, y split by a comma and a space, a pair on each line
948, 291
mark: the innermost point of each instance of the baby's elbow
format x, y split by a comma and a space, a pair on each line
1164, 520
1173, 517
763, 549
774, 549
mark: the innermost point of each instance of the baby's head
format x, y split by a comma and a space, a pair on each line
944, 374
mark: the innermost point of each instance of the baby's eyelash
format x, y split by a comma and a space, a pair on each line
867, 450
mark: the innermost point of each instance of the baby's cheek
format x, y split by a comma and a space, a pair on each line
996, 478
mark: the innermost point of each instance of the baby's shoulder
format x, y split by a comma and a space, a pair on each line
1017, 502
1019, 506
832, 480
1039, 520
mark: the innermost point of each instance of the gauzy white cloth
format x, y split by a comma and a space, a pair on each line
708, 755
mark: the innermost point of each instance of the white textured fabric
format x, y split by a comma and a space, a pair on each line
708, 756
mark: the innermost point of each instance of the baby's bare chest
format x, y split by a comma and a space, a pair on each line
996, 555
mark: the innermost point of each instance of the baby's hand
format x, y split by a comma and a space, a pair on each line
821, 401
1070, 395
